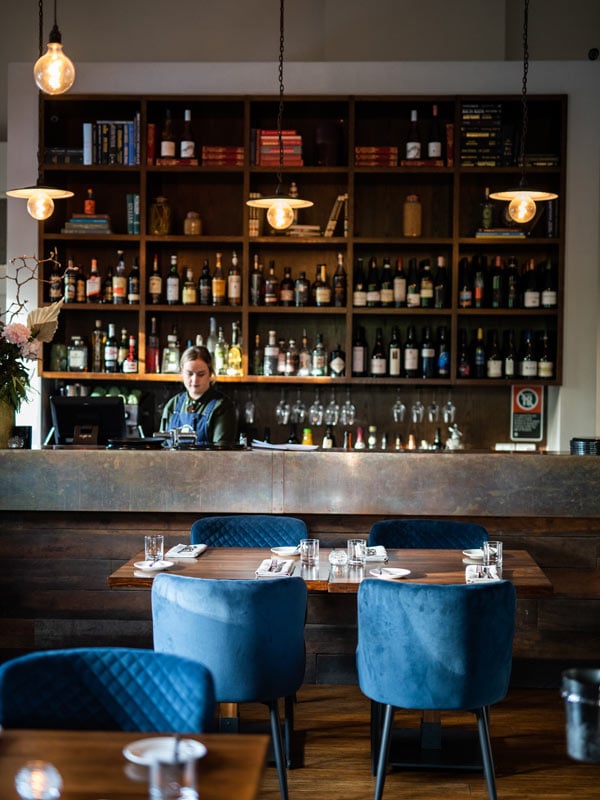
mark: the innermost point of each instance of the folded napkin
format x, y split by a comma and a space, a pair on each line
186, 551
478, 573
275, 568
377, 553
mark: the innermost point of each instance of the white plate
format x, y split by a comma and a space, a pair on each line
389, 573
286, 552
152, 566
475, 555
145, 751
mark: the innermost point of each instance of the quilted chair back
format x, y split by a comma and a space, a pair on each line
427, 533
106, 688
248, 530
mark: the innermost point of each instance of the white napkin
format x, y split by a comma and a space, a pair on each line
477, 573
275, 568
377, 553
186, 550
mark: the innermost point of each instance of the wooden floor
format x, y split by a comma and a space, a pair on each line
528, 741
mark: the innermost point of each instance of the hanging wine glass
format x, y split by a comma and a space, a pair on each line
398, 409
433, 410
348, 411
449, 411
332, 411
417, 412
298, 409
282, 410
315, 412
249, 409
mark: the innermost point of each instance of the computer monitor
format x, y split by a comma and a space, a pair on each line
87, 420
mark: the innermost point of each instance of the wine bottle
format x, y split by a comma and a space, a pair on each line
478, 284
411, 354
463, 361
218, 286
187, 143
494, 357
487, 211
98, 343
234, 282
119, 281
399, 285
528, 367
465, 290
153, 348
545, 364
478, 355
386, 290
93, 284
271, 295
205, 285
425, 284
378, 363
440, 285
167, 137
79, 285
70, 282
107, 286
155, 282
173, 283
189, 291
133, 284
373, 284
359, 353
434, 143
257, 357
111, 350
339, 283
413, 139
443, 353
548, 297
286, 288
291, 358
427, 354
304, 357
302, 291
413, 295
359, 292
123, 349
497, 284
509, 355
531, 289
513, 284
256, 282
395, 354
55, 290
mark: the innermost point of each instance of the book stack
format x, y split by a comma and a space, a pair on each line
88, 223
481, 136
265, 148
133, 213
492, 233
114, 142
341, 202
255, 216
222, 156
376, 156
303, 230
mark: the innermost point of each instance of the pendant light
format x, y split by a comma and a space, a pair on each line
40, 198
53, 72
522, 200
280, 207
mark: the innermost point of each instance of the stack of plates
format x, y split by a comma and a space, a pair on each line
581, 446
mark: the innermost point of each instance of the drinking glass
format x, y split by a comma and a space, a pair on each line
249, 410
298, 409
173, 780
332, 411
309, 552
449, 411
433, 410
398, 409
348, 411
357, 552
492, 555
154, 545
282, 410
417, 411
315, 412
38, 780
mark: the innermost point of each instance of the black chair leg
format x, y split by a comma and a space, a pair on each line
486, 751
376, 722
278, 748
288, 729
384, 751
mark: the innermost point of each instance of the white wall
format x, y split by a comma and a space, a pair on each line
573, 408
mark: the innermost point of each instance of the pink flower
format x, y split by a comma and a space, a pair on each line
31, 350
15, 333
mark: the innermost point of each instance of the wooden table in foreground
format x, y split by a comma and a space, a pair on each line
426, 566
93, 766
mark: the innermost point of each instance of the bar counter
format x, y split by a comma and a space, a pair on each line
70, 518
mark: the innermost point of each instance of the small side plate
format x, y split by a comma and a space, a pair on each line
145, 751
389, 573
474, 555
152, 566
286, 552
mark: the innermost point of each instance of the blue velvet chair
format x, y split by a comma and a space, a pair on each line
427, 533
106, 688
248, 530
436, 647
249, 633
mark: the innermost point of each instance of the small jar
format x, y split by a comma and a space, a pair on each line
412, 216
77, 355
307, 437
160, 217
192, 224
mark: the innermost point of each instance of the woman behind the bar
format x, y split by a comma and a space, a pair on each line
203, 407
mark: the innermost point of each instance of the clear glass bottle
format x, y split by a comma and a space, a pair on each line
412, 216
304, 357
221, 350
319, 358
234, 354
171, 354
155, 283
130, 364
111, 350
291, 358
77, 355
218, 287
234, 282
119, 281
378, 363
271, 355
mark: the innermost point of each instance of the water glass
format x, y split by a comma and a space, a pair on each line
173, 780
357, 552
492, 555
338, 557
38, 780
154, 547
309, 552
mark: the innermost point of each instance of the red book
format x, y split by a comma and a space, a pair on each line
150, 143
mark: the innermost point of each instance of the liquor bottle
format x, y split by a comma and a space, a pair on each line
318, 367
93, 284
425, 284
465, 285
373, 285
413, 139
359, 353
167, 137
399, 285
153, 349
221, 350
427, 354
293, 434
173, 283
171, 353
434, 143
55, 291
527, 364
513, 284
79, 285
531, 290
271, 355
395, 354
437, 443
304, 357
211, 339
486, 220
478, 355
256, 283
359, 291
340, 283
89, 203
107, 286
494, 357
497, 284
234, 354
286, 288
443, 353
98, 343
155, 282
70, 282
189, 291
548, 297
463, 361
337, 362
111, 350
413, 295
257, 357
321, 288
271, 293
302, 291
410, 366
440, 284
386, 290
119, 281
509, 355
545, 366
205, 285
281, 357
218, 286
291, 358
328, 439
234, 282
133, 283
122, 349
187, 143
478, 283
130, 364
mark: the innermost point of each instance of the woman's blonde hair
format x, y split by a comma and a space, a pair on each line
197, 352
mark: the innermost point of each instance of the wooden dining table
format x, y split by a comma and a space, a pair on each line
93, 767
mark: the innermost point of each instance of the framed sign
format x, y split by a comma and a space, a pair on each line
527, 414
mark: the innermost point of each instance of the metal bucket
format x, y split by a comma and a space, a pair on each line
581, 693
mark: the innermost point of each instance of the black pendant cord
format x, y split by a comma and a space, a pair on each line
281, 89
40, 160
524, 112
